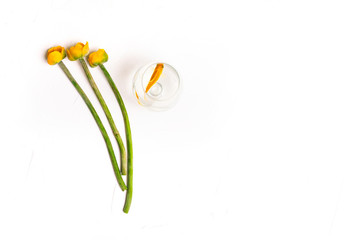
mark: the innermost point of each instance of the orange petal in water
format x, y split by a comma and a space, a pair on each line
138, 99
155, 76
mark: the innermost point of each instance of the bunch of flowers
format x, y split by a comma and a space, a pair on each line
55, 56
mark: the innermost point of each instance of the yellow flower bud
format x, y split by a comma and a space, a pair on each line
55, 55
98, 57
78, 51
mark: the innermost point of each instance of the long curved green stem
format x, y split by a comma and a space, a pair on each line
128, 140
108, 116
100, 125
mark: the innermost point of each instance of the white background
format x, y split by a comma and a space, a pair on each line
263, 143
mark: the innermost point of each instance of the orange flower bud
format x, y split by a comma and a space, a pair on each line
98, 57
78, 51
55, 55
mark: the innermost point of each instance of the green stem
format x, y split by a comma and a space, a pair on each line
100, 125
108, 116
128, 140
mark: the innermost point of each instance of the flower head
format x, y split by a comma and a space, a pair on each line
98, 57
55, 55
78, 51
